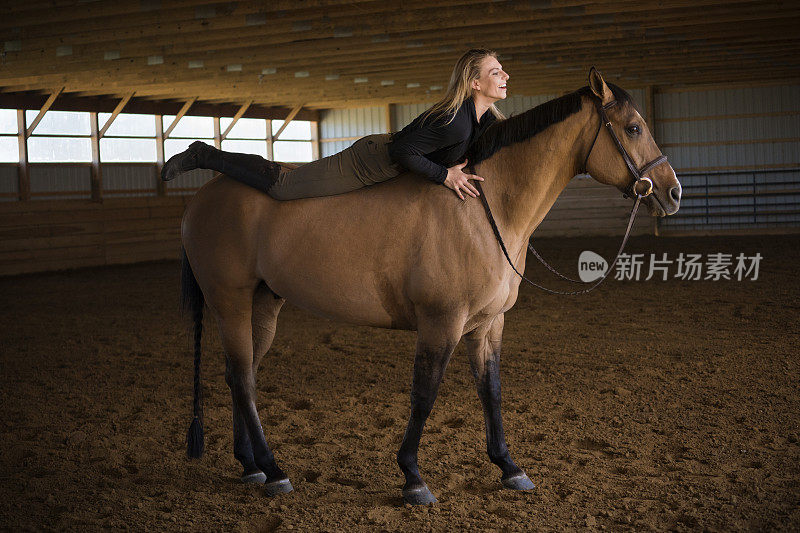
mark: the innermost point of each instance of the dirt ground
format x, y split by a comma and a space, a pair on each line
645, 405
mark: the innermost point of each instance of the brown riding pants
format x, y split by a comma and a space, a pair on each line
364, 163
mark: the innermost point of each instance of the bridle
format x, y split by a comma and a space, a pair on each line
637, 173
632, 190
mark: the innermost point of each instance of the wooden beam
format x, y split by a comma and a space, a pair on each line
214, 47
97, 175
236, 118
541, 57
540, 80
72, 102
23, 170
293, 58
340, 139
108, 16
286, 121
42, 111
433, 15
180, 115
117, 110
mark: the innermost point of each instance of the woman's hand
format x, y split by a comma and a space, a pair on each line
458, 180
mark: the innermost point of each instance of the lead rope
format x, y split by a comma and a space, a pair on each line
496, 230
548, 267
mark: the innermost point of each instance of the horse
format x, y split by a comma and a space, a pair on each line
404, 254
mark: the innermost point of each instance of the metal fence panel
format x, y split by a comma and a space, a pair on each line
125, 180
349, 124
60, 181
188, 182
737, 155
9, 183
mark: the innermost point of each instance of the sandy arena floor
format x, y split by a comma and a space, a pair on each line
645, 405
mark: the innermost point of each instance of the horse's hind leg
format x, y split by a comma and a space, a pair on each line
265, 316
242, 447
483, 350
235, 314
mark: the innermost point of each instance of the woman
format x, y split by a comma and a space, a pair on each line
430, 145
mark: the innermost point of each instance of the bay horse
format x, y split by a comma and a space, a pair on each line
404, 254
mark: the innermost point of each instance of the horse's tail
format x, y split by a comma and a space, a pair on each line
192, 302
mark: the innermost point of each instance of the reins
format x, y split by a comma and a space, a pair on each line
638, 178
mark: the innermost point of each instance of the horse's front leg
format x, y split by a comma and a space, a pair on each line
483, 350
436, 340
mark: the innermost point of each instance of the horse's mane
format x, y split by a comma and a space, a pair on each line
520, 127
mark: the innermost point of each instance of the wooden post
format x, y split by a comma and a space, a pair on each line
23, 170
161, 187
389, 110
217, 135
97, 173
270, 151
314, 140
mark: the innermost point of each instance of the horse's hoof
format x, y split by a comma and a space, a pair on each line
418, 496
256, 478
282, 486
519, 482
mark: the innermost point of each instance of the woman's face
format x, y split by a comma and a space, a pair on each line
492, 82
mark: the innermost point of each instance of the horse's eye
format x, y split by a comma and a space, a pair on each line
633, 130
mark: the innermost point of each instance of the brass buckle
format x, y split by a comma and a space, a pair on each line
649, 186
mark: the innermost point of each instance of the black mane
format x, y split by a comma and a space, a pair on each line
525, 125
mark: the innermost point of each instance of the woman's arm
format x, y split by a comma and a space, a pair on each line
409, 149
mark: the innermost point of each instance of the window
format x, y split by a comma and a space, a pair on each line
130, 139
9, 143
129, 150
60, 137
188, 130
249, 135
294, 144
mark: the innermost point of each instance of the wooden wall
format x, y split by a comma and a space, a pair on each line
48, 235
589, 208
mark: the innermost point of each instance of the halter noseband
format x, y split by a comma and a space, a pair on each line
637, 173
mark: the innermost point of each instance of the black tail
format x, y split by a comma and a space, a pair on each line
192, 302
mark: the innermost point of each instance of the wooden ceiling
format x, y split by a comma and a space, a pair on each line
347, 53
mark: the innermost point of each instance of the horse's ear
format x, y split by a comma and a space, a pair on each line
599, 87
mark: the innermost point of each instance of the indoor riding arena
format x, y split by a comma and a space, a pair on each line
666, 398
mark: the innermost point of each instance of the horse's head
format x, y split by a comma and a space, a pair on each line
621, 131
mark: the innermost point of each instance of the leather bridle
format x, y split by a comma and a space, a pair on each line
637, 173
632, 190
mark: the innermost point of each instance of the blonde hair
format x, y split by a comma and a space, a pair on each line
467, 68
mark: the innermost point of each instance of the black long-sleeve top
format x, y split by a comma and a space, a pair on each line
430, 146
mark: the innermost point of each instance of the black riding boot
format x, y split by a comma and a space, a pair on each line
252, 170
